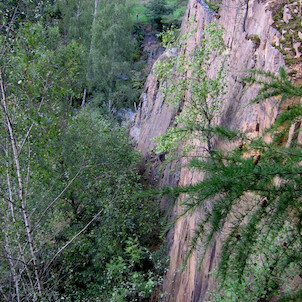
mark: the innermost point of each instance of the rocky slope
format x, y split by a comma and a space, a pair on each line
252, 41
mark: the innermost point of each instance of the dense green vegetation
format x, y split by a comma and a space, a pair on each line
159, 13
74, 222
251, 193
72, 226
206, 93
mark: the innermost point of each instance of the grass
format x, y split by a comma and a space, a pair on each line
179, 12
139, 7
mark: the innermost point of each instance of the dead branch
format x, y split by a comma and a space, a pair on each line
71, 240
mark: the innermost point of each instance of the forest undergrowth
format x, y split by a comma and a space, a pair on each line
72, 225
76, 221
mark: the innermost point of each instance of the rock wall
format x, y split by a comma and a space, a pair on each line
250, 38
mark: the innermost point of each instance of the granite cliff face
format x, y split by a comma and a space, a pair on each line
252, 41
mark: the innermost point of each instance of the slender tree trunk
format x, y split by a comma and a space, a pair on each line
112, 73
17, 237
21, 193
5, 298
95, 11
10, 258
78, 9
72, 239
84, 98
9, 186
10, 212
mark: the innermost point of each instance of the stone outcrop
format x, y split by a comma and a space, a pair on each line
251, 41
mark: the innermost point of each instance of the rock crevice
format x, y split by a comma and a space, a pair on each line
250, 38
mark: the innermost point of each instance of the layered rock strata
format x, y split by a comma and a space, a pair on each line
250, 37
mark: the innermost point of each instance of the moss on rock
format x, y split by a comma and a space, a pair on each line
288, 23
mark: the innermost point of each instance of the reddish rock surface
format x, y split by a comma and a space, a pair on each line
154, 117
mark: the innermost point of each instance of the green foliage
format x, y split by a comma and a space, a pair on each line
111, 52
159, 14
34, 104
273, 85
214, 4
255, 192
296, 296
36, 49
106, 32
77, 17
107, 263
182, 74
255, 39
155, 11
124, 281
290, 30
20, 11
67, 213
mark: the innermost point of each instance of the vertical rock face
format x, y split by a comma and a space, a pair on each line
249, 37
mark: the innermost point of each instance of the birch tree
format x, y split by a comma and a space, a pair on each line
28, 121
111, 51
67, 215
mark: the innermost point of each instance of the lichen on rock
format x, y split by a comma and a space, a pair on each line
287, 16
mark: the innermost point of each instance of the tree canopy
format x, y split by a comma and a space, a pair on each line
72, 226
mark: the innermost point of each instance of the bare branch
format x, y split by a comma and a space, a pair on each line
28, 168
56, 199
9, 27
31, 126
21, 192
9, 257
71, 240
3, 295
